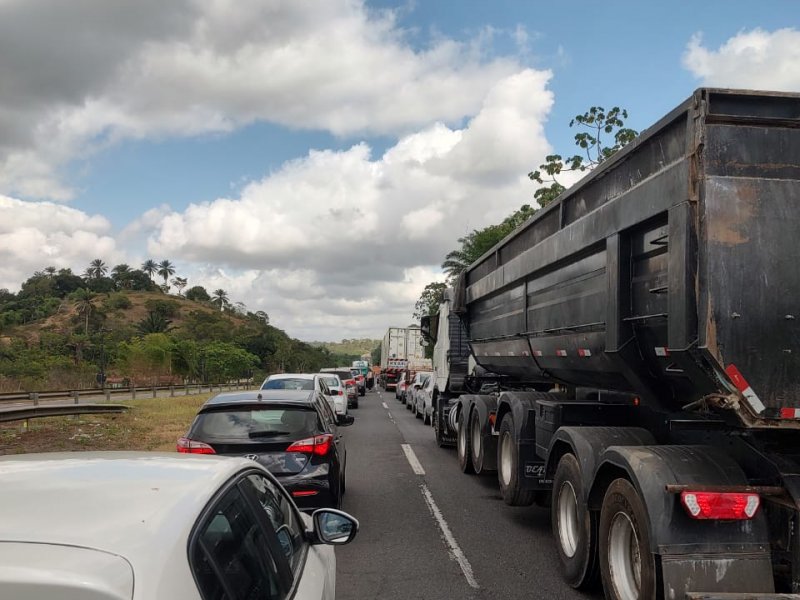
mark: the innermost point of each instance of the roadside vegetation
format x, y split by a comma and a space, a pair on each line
65, 331
152, 424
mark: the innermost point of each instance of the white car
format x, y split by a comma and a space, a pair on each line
147, 526
338, 392
303, 381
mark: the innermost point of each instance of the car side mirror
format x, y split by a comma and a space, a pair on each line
417, 386
345, 420
333, 527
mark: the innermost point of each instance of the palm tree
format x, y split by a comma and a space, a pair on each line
149, 266
84, 303
97, 269
154, 323
220, 297
180, 283
121, 269
165, 269
50, 271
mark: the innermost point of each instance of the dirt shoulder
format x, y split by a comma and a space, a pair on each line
150, 424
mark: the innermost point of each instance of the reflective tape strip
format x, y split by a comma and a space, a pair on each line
561, 352
790, 413
661, 351
741, 384
537, 352
525, 354
584, 352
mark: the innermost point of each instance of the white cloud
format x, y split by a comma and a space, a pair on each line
755, 59
197, 66
34, 235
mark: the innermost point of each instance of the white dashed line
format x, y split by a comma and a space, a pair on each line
416, 466
385, 405
450, 540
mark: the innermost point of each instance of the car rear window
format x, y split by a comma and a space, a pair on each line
287, 383
256, 423
332, 382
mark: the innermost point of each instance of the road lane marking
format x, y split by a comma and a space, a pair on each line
385, 406
450, 540
416, 466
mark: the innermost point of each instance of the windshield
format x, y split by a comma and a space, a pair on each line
247, 424
287, 383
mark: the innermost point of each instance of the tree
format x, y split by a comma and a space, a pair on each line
430, 299
375, 355
594, 124
197, 293
149, 266
154, 322
121, 275
180, 283
166, 269
262, 316
220, 298
50, 271
480, 241
83, 300
97, 269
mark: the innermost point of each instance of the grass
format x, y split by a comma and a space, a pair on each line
151, 424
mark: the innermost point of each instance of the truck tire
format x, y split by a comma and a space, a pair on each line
437, 424
463, 446
508, 466
625, 545
574, 525
476, 443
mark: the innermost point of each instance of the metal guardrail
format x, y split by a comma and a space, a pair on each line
75, 395
8, 415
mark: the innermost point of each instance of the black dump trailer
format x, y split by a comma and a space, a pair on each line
638, 352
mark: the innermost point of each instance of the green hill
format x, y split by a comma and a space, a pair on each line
354, 348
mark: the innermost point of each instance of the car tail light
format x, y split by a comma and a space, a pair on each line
721, 505
340, 393
187, 446
302, 493
319, 445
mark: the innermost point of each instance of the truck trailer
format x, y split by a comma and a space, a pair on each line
401, 346
630, 357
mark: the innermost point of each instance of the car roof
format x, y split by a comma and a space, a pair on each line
292, 376
262, 397
141, 506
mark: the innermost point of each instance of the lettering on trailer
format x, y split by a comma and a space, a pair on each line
535, 470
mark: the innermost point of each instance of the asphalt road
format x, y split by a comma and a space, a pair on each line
437, 535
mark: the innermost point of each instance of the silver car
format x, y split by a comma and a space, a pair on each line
88, 525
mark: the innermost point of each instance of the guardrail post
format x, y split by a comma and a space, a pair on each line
155, 393
133, 392
34, 396
186, 389
108, 395
77, 395
172, 391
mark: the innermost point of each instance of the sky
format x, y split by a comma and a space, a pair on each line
318, 159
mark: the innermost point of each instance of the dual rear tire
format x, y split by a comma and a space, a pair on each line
612, 545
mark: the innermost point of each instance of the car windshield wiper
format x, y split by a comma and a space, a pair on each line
259, 434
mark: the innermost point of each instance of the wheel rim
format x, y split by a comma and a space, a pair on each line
568, 532
476, 437
505, 458
624, 559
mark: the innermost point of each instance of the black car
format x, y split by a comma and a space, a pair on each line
293, 433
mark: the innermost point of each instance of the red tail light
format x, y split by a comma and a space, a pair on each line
340, 393
319, 445
302, 493
187, 446
736, 506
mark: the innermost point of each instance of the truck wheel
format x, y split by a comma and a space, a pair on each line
508, 467
574, 525
626, 564
476, 443
463, 446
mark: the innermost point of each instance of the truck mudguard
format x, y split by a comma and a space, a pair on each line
587, 444
521, 405
713, 555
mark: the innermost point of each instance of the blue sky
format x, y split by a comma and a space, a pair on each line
318, 159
